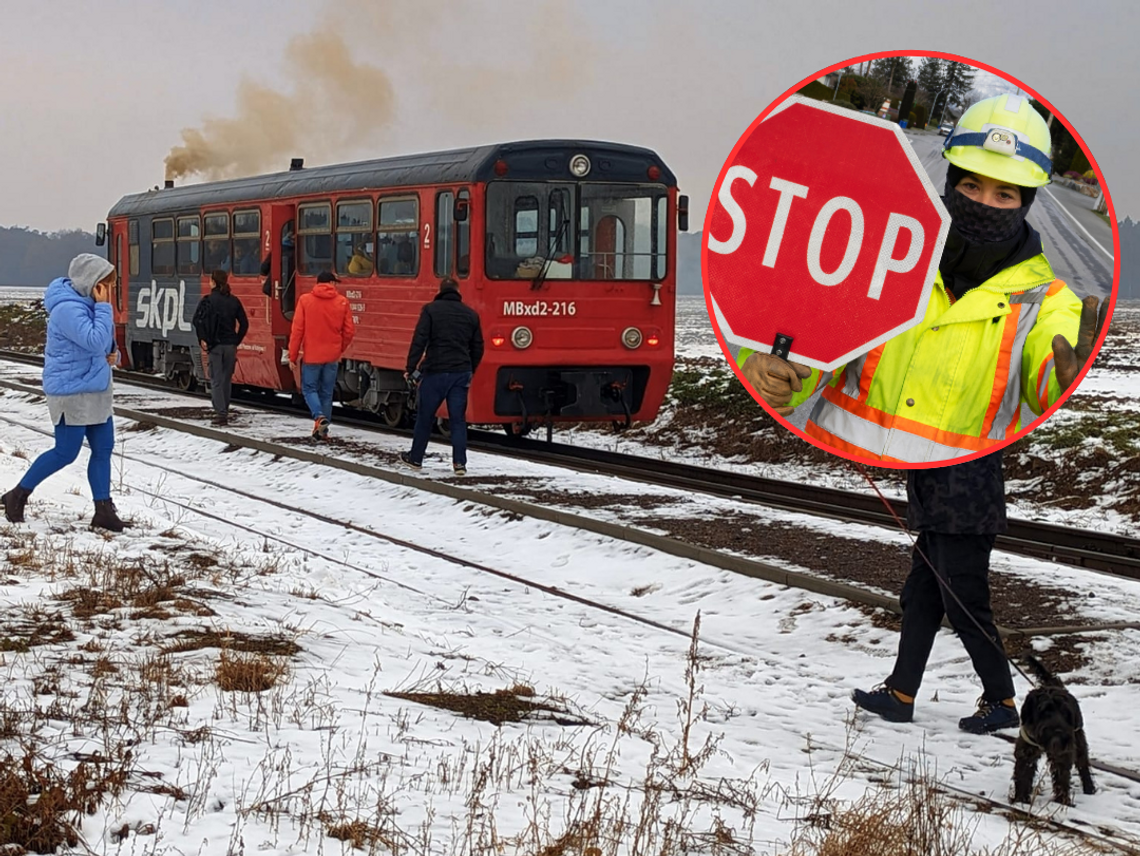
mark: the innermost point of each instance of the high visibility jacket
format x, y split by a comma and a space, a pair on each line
953, 384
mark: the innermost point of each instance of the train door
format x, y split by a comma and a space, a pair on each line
119, 301
608, 237
280, 248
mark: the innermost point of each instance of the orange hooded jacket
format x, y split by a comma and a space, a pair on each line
322, 326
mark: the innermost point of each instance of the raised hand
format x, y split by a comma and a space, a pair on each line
1067, 360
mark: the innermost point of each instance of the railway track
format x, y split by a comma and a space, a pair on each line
1099, 551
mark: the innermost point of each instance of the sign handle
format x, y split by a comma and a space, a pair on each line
783, 346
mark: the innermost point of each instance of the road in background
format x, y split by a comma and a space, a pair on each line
1071, 248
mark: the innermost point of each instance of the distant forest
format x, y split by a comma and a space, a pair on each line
28, 257
1129, 260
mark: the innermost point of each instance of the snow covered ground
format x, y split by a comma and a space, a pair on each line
272, 771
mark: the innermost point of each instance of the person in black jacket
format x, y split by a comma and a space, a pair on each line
220, 324
958, 512
450, 333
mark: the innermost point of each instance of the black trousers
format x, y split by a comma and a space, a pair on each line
963, 562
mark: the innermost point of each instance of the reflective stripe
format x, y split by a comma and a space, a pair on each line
853, 375
1043, 375
1022, 148
1034, 295
880, 441
1011, 400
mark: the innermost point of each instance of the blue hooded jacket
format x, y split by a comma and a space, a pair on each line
80, 335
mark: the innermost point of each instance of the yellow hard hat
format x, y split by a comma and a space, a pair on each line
1004, 138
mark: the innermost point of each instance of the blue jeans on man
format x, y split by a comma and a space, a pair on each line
436, 388
318, 381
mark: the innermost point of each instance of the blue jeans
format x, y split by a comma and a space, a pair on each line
68, 441
434, 390
318, 380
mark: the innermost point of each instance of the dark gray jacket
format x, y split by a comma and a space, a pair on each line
450, 333
960, 499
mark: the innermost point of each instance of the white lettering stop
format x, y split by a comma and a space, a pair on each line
885, 261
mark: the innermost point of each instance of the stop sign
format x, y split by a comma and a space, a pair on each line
825, 230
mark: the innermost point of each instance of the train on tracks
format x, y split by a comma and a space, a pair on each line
566, 249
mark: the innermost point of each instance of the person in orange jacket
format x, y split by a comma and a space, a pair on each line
322, 331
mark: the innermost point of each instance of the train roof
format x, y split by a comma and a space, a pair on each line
546, 160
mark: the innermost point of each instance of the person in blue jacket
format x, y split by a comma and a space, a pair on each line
78, 357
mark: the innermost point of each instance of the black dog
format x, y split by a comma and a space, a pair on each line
1051, 724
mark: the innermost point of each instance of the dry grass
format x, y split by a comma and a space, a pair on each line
248, 673
41, 804
234, 641
516, 704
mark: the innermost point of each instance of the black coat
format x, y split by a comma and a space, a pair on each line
960, 499
220, 320
450, 333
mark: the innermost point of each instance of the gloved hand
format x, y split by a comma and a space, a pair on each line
1067, 361
775, 379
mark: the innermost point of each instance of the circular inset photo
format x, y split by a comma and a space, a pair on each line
906, 259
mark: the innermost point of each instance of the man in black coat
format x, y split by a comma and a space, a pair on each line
958, 512
220, 324
450, 333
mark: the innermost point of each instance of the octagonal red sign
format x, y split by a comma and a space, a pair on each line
825, 230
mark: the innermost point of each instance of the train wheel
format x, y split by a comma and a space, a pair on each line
392, 413
516, 430
184, 381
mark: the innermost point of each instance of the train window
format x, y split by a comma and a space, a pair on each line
216, 230
247, 243
315, 233
526, 225
133, 245
397, 237
162, 247
444, 232
526, 222
354, 245
622, 231
463, 239
189, 246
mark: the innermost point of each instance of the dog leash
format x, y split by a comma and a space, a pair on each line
942, 582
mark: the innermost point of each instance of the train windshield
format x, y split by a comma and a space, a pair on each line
591, 231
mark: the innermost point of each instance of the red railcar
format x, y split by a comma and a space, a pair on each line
566, 249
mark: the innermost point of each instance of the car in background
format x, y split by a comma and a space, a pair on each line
945, 129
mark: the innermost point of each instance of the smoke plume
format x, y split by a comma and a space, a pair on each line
336, 105
335, 102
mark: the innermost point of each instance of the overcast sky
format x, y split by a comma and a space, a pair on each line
94, 96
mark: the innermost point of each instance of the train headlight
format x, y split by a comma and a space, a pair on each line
580, 166
631, 337
521, 337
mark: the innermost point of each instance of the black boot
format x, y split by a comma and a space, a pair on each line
106, 517
14, 502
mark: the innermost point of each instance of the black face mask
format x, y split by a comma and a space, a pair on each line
983, 224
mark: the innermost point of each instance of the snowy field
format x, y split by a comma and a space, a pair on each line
275, 771
19, 294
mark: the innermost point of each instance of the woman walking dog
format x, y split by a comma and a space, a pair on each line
78, 357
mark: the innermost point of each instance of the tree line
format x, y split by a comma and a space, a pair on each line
942, 87
28, 257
